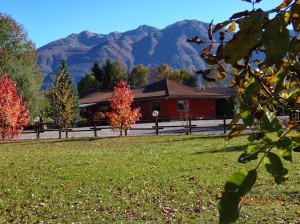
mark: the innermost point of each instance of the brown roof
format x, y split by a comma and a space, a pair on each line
95, 97
161, 89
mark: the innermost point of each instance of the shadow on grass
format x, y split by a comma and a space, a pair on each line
200, 137
227, 149
292, 194
49, 140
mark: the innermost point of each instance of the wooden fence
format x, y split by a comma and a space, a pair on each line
96, 127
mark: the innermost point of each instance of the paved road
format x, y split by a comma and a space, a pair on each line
202, 126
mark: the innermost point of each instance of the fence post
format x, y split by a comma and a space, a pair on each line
95, 129
67, 133
190, 124
59, 132
37, 130
156, 126
224, 123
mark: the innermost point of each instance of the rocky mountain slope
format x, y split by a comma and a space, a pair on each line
145, 45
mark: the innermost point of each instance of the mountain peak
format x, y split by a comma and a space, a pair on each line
147, 28
145, 45
87, 34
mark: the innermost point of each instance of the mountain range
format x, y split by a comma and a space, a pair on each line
145, 45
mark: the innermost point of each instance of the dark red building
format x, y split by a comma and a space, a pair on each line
171, 99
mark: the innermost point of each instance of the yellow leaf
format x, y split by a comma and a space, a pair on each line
236, 131
231, 27
221, 72
295, 15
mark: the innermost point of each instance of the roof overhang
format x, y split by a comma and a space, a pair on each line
87, 104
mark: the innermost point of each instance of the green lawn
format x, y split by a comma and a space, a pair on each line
151, 179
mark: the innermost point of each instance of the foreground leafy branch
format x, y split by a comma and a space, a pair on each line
264, 57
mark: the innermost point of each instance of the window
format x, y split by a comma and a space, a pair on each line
182, 105
156, 106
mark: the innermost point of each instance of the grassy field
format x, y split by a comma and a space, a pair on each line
151, 179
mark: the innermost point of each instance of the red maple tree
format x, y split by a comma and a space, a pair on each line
121, 116
13, 113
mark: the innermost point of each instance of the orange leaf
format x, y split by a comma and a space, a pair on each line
196, 40
284, 4
207, 49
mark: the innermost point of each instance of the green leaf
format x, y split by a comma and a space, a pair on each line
271, 125
247, 157
276, 39
280, 79
236, 131
251, 89
241, 182
248, 182
234, 182
255, 136
237, 185
250, 30
285, 147
247, 117
251, 148
295, 45
229, 207
275, 167
234, 120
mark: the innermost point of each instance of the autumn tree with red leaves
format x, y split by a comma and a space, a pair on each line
121, 116
13, 113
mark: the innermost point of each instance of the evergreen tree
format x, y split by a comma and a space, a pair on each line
109, 74
63, 99
87, 83
96, 71
107, 71
63, 68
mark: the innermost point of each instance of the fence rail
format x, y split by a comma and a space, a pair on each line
158, 127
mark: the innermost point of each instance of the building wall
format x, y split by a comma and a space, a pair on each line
169, 110
197, 108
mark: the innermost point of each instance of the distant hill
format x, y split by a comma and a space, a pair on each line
145, 45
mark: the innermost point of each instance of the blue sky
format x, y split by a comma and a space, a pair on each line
49, 20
